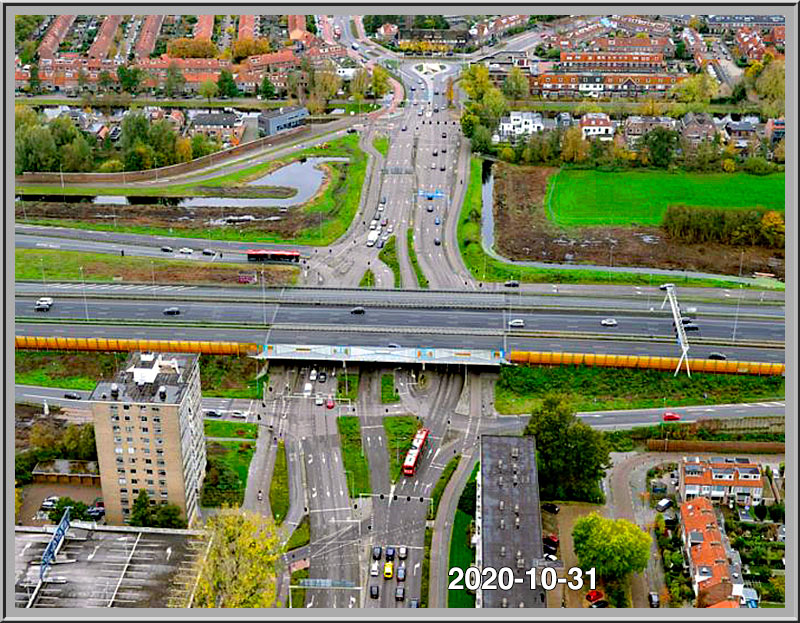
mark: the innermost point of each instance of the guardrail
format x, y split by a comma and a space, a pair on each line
645, 362
113, 344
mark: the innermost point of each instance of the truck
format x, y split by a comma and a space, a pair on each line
372, 237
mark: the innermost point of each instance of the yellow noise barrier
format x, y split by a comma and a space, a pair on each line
112, 344
644, 362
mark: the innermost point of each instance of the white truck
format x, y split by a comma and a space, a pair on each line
372, 237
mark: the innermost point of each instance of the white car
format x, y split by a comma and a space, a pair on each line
390, 229
185, 250
550, 557
609, 322
319, 401
374, 570
517, 323
45, 300
312, 376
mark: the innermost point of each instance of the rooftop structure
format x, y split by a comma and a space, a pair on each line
105, 37
204, 27
721, 479
508, 519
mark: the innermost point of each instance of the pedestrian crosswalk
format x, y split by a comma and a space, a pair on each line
117, 287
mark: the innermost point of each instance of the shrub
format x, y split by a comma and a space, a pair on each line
728, 165
758, 166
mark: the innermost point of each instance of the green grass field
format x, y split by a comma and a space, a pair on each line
298, 597
441, 485
279, 487
217, 428
461, 555
301, 535
412, 256
580, 198
381, 144
388, 393
347, 386
67, 370
236, 455
400, 430
388, 255
355, 461
368, 280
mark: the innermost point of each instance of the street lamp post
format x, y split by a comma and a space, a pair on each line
263, 298
736, 318
83, 287
153, 275
44, 283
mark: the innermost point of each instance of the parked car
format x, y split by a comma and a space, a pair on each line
376, 552
402, 552
594, 595
442, 167
322, 377
437, 221
663, 504
654, 600
549, 507
374, 591
374, 570
50, 502
319, 401
330, 404
600, 604
670, 416
399, 593
609, 322
401, 573
414, 603
388, 570
390, 553
172, 311
96, 512
437, 242
72, 396
549, 548
550, 557
552, 539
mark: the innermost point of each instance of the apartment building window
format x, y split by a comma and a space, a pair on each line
148, 471
120, 460
135, 481
148, 462
115, 418
162, 483
133, 471
156, 418
131, 450
157, 431
159, 441
163, 494
126, 407
131, 460
118, 450
151, 492
122, 481
126, 511
160, 463
129, 439
117, 439
115, 428
146, 451
150, 482
144, 440
129, 429
145, 429
121, 470
142, 418
127, 417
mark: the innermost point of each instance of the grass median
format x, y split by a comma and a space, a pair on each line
381, 145
389, 393
441, 485
347, 387
520, 389
298, 597
301, 535
426, 569
486, 268
412, 256
355, 461
400, 431
48, 266
388, 255
368, 280
279, 487
222, 429
462, 556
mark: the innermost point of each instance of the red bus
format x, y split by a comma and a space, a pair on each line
268, 255
418, 446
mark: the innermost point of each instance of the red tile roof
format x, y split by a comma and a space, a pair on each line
697, 515
146, 42
105, 36
247, 26
55, 35
204, 27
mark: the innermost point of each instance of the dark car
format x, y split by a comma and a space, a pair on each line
405, 127
358, 310
401, 574
211, 413
323, 376
549, 548
549, 507
414, 603
166, 249
399, 593
383, 200
376, 552
390, 553
551, 538
691, 327
444, 134
380, 244
444, 150
442, 168
512, 284
437, 242
209, 252
96, 512
72, 396
374, 591
717, 357
600, 604
654, 601
172, 311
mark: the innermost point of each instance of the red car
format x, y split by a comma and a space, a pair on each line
594, 596
671, 416
550, 538
330, 404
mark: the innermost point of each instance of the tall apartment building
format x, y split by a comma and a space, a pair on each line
149, 431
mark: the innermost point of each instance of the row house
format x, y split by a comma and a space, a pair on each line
296, 25
195, 70
496, 27
694, 45
645, 45
387, 32
274, 62
573, 38
778, 35
596, 125
518, 124
204, 27
226, 127
697, 127
247, 27
722, 23
714, 566
636, 25
146, 42
612, 61
739, 133
55, 35
554, 85
320, 51
637, 126
722, 479
752, 45
105, 37
775, 129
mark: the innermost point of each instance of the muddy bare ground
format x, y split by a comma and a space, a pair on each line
522, 232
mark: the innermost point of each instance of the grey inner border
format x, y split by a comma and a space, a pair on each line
598, 8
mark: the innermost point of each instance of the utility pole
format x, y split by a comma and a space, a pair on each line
736, 318
263, 298
83, 284
153, 274
44, 283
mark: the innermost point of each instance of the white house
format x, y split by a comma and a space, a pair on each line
597, 125
520, 124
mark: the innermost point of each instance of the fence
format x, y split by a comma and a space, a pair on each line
110, 344
682, 445
644, 362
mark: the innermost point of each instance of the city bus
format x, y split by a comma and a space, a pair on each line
419, 444
269, 255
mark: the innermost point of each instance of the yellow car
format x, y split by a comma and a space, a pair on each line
388, 570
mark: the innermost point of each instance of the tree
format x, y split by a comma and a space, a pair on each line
481, 139
34, 149
359, 85
174, 80
24, 116
779, 152
771, 87
267, 89
139, 157
573, 147
112, 165
183, 149
104, 80
493, 107
34, 83
475, 81
507, 154
130, 79
163, 141
135, 127
379, 82
77, 155
760, 511
208, 89
615, 547
660, 524
168, 516
773, 229
468, 123
240, 568
326, 84
27, 52
45, 434
661, 144
201, 146
680, 51
697, 89
17, 499
242, 48
191, 48
141, 513
77, 513
516, 84
226, 84
571, 456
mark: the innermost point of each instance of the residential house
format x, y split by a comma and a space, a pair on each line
555, 84
204, 27
775, 129
612, 61
271, 122
99, 130
739, 133
495, 27
105, 37
296, 25
721, 479
722, 23
146, 42
714, 566
778, 35
697, 127
55, 35
636, 25
642, 45
563, 120
387, 32
177, 119
597, 125
519, 124
247, 27
750, 44
227, 127
637, 126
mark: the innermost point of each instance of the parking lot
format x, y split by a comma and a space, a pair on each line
34, 494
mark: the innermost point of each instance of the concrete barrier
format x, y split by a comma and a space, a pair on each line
112, 344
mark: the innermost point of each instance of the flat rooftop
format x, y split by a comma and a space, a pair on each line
510, 492
143, 374
107, 567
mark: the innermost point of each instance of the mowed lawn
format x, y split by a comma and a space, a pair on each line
580, 198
